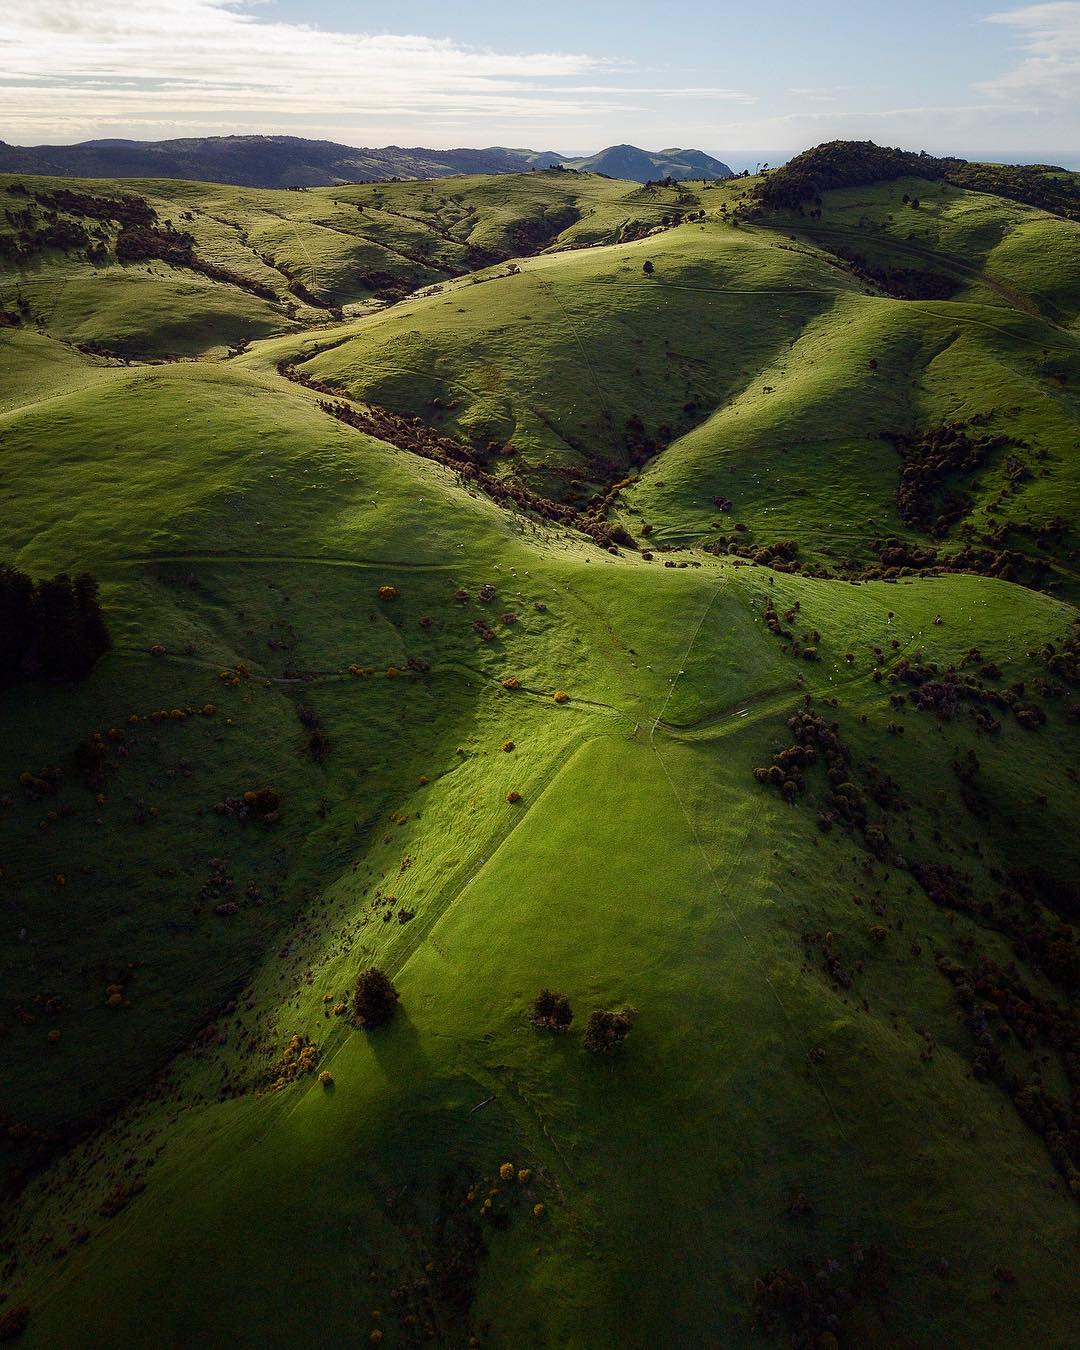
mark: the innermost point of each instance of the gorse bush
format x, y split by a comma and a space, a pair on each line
606, 1030
551, 1011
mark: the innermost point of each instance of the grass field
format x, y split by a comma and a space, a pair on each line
851, 1060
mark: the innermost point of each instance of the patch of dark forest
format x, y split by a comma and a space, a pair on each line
51, 629
842, 164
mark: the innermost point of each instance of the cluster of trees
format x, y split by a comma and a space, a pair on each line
49, 629
903, 283
1042, 185
605, 1030
127, 209
839, 164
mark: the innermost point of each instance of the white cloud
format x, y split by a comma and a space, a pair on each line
76, 68
1050, 38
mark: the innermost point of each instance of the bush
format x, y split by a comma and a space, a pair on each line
375, 1000
606, 1030
551, 1011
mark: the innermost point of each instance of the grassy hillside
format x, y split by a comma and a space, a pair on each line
291, 254
807, 810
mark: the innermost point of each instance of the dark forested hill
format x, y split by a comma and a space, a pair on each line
292, 161
257, 161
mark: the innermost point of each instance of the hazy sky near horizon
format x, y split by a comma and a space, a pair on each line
568, 75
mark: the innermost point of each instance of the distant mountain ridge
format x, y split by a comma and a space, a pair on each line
293, 161
627, 161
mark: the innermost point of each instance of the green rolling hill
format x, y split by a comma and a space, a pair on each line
661, 595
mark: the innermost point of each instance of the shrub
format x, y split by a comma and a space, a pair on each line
375, 1000
551, 1011
605, 1030
561, 696
388, 592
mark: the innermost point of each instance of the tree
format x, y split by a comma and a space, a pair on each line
375, 1000
647, 267
551, 1011
606, 1030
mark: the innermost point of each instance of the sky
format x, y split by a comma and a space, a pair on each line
753, 78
